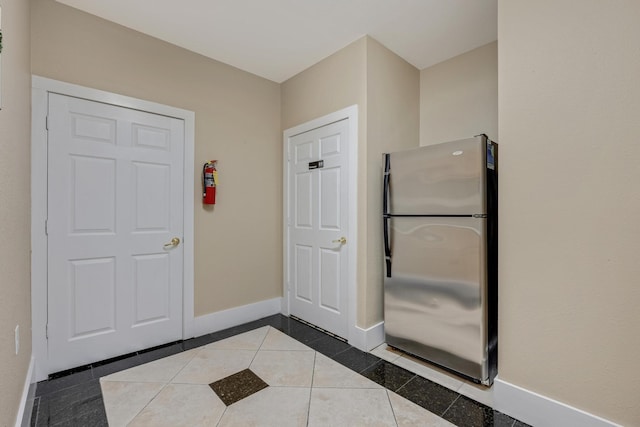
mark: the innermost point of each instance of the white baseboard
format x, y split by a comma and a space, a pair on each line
541, 411
367, 339
23, 418
224, 319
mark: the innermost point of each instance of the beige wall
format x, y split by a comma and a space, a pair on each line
237, 255
393, 123
386, 90
459, 97
15, 206
569, 102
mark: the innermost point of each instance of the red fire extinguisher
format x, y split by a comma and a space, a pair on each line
209, 181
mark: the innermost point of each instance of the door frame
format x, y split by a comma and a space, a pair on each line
40, 88
350, 114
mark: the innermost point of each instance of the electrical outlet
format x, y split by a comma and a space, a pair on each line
17, 339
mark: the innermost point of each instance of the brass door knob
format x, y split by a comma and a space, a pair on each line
341, 240
174, 242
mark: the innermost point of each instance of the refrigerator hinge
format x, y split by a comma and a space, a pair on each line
479, 215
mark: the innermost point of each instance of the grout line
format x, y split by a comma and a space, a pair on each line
393, 411
143, 408
259, 347
313, 377
449, 407
406, 382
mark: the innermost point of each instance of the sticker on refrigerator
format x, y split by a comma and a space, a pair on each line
491, 162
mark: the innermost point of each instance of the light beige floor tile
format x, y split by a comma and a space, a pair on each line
284, 368
187, 405
162, 370
210, 365
382, 352
271, 407
408, 414
350, 407
429, 372
329, 373
276, 340
246, 341
124, 400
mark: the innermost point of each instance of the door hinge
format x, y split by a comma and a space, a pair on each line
46, 331
46, 227
46, 122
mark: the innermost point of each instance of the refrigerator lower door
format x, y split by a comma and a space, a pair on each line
435, 298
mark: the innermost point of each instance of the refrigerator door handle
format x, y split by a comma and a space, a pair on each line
385, 210
385, 180
387, 246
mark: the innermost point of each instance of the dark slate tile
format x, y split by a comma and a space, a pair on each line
226, 333
303, 333
102, 369
70, 403
429, 395
159, 353
520, 424
95, 418
466, 412
278, 321
329, 346
238, 386
68, 372
54, 385
388, 375
356, 360
502, 420
198, 341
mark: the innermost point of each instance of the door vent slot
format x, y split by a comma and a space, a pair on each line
318, 328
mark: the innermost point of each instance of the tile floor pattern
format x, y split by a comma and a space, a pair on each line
312, 380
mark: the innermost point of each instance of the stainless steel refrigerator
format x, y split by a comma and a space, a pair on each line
440, 226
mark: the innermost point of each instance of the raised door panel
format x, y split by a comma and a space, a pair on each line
303, 200
151, 137
330, 279
330, 194
93, 195
152, 288
303, 273
91, 128
152, 195
92, 297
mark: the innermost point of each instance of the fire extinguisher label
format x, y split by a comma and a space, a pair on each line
215, 177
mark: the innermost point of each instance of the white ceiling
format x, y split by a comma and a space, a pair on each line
277, 39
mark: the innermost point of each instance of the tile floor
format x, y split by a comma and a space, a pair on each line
312, 379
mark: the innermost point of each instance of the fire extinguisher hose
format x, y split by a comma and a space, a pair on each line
204, 187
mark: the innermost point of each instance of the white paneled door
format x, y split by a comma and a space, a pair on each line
115, 219
318, 225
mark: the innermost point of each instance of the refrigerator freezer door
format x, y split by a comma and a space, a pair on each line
435, 300
442, 179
